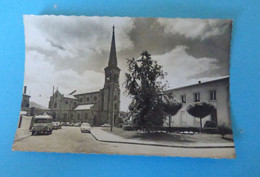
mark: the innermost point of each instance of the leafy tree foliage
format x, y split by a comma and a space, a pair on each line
170, 105
200, 110
144, 85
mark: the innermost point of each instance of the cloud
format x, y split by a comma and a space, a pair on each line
182, 67
195, 28
87, 39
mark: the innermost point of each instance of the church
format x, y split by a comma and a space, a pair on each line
98, 107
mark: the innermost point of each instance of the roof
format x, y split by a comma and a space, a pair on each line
83, 107
43, 117
69, 97
112, 56
203, 81
82, 92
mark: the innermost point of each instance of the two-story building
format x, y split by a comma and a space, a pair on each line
215, 92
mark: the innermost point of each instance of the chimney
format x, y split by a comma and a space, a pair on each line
199, 82
24, 90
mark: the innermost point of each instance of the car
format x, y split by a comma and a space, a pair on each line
63, 124
55, 125
85, 127
77, 124
106, 125
66, 124
42, 124
71, 124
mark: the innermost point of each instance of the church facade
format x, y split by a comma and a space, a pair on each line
98, 107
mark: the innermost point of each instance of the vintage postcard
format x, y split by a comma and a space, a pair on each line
121, 85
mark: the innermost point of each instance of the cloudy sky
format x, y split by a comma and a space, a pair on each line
71, 52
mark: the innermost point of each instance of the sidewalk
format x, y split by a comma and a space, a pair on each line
104, 136
21, 133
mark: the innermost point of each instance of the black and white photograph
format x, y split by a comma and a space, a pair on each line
125, 85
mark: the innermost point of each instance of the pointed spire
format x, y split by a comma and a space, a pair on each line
112, 57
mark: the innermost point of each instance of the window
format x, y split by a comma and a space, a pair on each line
55, 105
197, 97
87, 99
66, 102
212, 95
95, 98
183, 98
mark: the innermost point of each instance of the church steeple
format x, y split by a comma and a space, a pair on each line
112, 57
112, 71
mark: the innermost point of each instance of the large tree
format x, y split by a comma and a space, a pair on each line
144, 84
200, 110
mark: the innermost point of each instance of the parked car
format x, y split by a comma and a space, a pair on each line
85, 127
77, 124
56, 125
64, 123
71, 124
106, 125
42, 124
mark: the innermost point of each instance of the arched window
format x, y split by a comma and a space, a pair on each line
87, 99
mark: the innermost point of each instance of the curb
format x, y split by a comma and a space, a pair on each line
15, 140
160, 145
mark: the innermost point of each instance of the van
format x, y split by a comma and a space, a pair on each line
42, 124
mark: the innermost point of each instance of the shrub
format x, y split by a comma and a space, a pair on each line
211, 124
223, 130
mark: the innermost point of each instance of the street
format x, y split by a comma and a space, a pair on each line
70, 139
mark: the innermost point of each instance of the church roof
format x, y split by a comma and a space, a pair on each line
83, 107
82, 92
112, 56
70, 97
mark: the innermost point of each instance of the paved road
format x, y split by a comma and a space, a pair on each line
70, 139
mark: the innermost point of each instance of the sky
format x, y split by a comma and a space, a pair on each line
71, 52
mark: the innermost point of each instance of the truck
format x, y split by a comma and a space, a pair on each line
42, 124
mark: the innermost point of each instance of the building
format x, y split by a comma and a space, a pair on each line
215, 92
97, 107
25, 106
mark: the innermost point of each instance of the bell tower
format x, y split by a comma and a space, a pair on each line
112, 71
111, 91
